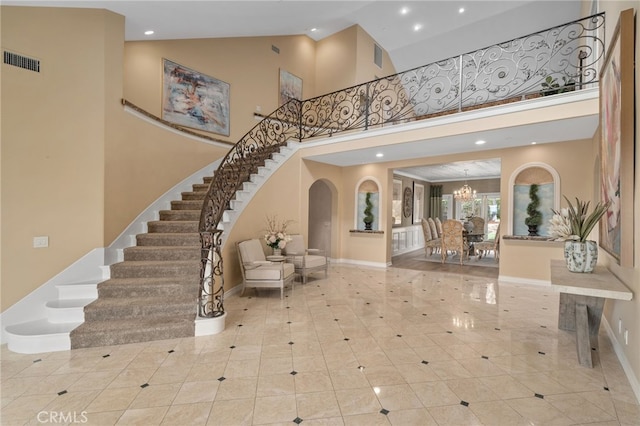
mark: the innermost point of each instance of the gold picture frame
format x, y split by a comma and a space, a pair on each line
617, 142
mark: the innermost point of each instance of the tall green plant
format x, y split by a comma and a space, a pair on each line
534, 217
368, 215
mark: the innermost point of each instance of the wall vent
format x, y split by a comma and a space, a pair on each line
275, 49
21, 61
377, 55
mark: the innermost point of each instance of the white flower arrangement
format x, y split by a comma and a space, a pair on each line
276, 236
575, 223
560, 226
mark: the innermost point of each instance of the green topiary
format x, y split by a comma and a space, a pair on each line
368, 215
534, 217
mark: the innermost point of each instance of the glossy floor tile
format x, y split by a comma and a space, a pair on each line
364, 346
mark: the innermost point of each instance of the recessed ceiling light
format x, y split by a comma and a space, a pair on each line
533, 143
379, 155
313, 30
404, 11
417, 27
480, 142
149, 32
461, 10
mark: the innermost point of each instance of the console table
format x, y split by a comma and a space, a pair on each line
582, 297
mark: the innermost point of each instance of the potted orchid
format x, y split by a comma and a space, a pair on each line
276, 235
573, 226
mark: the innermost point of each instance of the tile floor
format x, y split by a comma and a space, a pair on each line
364, 347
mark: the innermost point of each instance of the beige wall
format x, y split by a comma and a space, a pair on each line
54, 138
345, 59
248, 64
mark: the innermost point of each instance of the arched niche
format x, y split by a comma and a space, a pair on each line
548, 181
367, 184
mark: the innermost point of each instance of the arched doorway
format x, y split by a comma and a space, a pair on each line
320, 216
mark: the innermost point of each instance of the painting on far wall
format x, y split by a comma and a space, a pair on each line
195, 100
617, 143
290, 87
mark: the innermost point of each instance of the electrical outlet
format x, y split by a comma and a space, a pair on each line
40, 242
626, 337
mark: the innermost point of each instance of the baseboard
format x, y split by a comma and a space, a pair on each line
361, 263
32, 306
504, 279
624, 362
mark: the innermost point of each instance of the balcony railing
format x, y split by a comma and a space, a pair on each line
556, 60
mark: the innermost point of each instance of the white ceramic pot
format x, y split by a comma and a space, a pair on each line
581, 257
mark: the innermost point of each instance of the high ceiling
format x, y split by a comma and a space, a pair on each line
445, 31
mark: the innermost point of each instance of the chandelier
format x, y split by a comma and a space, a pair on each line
465, 193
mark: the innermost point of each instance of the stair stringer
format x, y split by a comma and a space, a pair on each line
244, 196
114, 253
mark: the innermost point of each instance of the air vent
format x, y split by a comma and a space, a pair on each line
377, 55
275, 49
21, 61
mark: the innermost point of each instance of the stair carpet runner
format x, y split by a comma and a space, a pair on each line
152, 294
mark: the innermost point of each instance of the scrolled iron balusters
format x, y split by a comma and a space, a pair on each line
552, 61
241, 161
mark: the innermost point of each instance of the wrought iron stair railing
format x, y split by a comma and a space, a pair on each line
559, 59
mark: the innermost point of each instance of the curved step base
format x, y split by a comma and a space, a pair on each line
39, 336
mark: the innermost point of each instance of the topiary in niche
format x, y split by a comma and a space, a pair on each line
534, 216
368, 215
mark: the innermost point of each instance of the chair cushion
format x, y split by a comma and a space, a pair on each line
296, 245
251, 251
272, 271
310, 261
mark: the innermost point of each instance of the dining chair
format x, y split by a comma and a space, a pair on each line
484, 247
431, 242
453, 240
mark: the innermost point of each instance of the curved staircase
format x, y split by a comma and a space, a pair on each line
153, 293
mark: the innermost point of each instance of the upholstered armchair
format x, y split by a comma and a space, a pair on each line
306, 261
431, 242
453, 239
484, 247
258, 272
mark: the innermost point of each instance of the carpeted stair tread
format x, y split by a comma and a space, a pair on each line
169, 239
155, 268
103, 309
199, 195
187, 205
200, 187
174, 215
172, 226
158, 253
149, 287
123, 331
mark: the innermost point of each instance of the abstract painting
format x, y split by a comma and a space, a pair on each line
290, 87
617, 143
194, 100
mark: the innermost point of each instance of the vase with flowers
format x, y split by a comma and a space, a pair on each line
276, 235
573, 225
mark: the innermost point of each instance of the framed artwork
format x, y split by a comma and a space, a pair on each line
194, 100
617, 142
407, 203
290, 87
